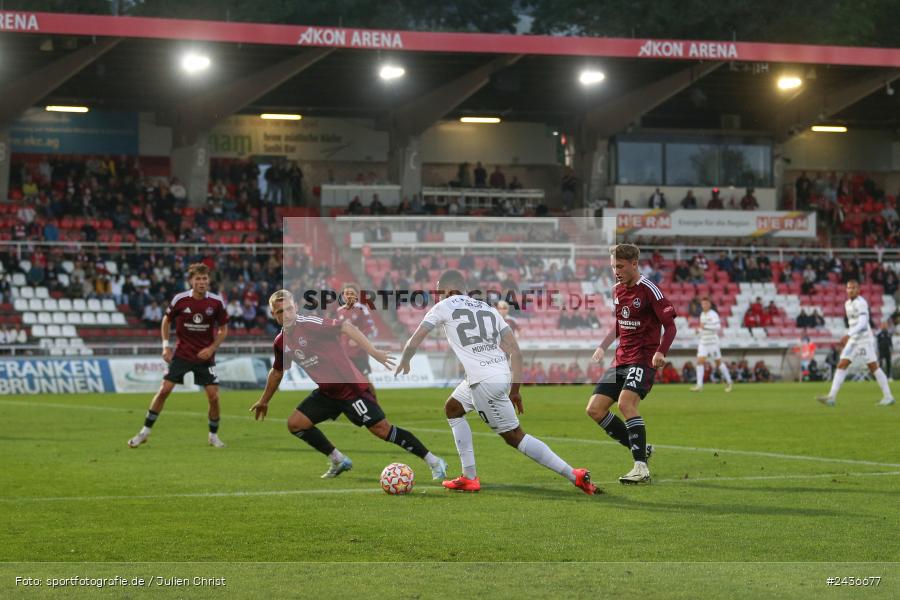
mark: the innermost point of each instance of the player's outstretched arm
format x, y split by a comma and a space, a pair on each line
261, 407
510, 345
409, 349
164, 333
353, 332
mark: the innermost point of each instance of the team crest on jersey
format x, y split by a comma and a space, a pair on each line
299, 355
302, 342
198, 318
625, 312
209, 311
636, 302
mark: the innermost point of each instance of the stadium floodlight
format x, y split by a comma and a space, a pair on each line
67, 109
789, 82
483, 120
194, 63
591, 77
390, 72
280, 117
829, 128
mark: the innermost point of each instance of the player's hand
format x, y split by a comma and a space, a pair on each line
206, 353
844, 340
167, 354
659, 360
598, 355
260, 408
385, 358
516, 398
402, 368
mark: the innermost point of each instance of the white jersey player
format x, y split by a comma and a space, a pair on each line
710, 324
859, 344
487, 348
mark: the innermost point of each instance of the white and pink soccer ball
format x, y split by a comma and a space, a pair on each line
397, 479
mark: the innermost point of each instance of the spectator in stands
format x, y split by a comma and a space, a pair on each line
742, 372
669, 373
515, 184
657, 200
807, 352
376, 207
772, 310
701, 261
689, 373
803, 187
480, 175
852, 271
464, 176
294, 184
16, 335
695, 307
355, 207
682, 272
466, 261
152, 316
453, 208
498, 179
697, 275
647, 271
748, 202
178, 191
235, 313
804, 320
761, 372
891, 282
248, 313
817, 319
715, 201
885, 347
689, 202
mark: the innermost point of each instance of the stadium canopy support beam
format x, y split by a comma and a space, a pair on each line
409, 121
193, 120
22, 94
609, 118
807, 109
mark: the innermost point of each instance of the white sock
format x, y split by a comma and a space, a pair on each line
431, 459
724, 371
700, 373
837, 382
336, 456
541, 453
462, 435
145, 431
882, 380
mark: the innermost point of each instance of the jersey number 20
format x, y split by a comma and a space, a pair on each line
472, 320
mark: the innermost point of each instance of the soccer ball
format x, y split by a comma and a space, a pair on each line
397, 479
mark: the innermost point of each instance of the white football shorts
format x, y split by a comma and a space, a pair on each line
490, 399
710, 351
862, 349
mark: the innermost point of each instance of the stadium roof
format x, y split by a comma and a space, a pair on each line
141, 71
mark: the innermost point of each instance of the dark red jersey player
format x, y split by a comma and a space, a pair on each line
314, 344
645, 328
201, 324
357, 313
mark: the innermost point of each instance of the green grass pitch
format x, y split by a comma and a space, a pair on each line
759, 493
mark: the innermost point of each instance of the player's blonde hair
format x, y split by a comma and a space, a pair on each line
280, 296
502, 304
197, 269
628, 252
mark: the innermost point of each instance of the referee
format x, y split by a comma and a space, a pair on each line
885, 346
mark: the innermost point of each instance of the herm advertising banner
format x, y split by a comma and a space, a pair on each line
713, 223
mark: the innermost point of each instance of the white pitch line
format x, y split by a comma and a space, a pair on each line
487, 487
758, 453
